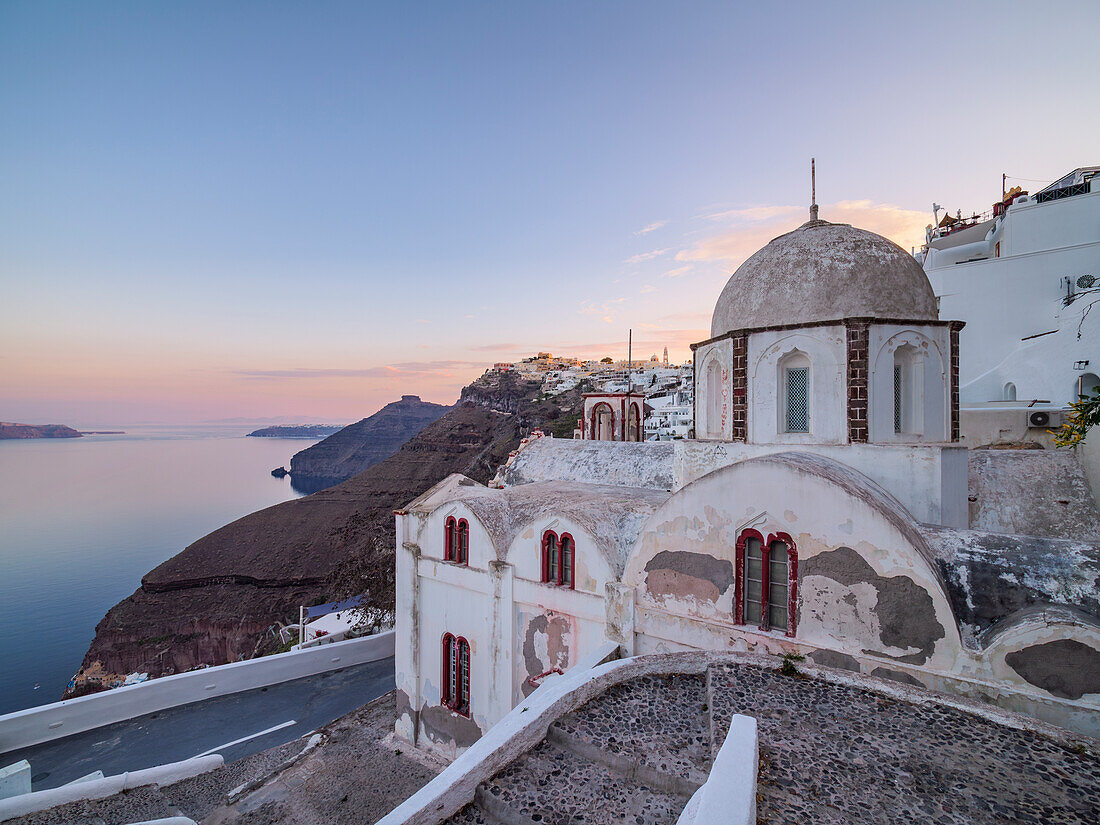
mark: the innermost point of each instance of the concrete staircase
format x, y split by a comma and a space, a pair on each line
631, 755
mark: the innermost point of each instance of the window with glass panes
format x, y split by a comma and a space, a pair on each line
763, 592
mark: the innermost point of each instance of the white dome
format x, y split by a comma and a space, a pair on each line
824, 272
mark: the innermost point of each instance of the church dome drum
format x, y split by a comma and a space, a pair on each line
824, 272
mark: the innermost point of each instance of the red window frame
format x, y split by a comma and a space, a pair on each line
456, 540
463, 542
765, 574
554, 568
455, 693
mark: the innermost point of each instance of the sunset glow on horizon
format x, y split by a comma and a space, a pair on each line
263, 211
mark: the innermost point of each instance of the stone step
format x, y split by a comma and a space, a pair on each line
552, 786
658, 723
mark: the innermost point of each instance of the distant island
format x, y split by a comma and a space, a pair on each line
298, 431
9, 429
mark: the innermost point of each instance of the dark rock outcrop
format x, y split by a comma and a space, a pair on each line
215, 601
9, 429
296, 431
363, 444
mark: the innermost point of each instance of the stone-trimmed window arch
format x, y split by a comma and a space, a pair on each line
766, 581
713, 382
456, 674
908, 390
795, 393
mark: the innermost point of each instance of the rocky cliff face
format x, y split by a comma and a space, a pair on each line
215, 601
361, 445
9, 429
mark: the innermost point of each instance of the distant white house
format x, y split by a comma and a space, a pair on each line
1024, 278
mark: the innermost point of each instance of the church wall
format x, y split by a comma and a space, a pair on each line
714, 369
934, 345
868, 601
930, 480
862, 585
555, 626
447, 598
825, 348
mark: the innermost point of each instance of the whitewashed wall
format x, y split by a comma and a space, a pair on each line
714, 417
934, 346
826, 349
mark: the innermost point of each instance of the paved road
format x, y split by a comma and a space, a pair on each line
211, 726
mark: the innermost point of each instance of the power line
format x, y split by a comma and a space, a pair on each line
1028, 180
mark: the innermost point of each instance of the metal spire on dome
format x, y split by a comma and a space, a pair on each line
813, 189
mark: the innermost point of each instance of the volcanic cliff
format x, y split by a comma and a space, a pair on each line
361, 445
216, 601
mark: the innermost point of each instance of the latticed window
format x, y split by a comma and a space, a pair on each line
798, 399
764, 581
899, 403
456, 674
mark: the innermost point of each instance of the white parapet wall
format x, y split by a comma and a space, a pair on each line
728, 797
33, 726
169, 774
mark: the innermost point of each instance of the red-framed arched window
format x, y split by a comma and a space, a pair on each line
456, 674
456, 540
766, 585
558, 556
463, 556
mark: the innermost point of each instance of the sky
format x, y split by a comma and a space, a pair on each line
303, 211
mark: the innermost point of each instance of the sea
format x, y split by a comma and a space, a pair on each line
83, 519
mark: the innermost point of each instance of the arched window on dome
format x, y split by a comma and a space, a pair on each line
713, 422
795, 413
908, 390
766, 586
1009, 392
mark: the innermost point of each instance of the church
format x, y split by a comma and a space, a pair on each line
820, 510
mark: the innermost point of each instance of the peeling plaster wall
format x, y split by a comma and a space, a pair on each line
825, 347
1032, 492
645, 465
714, 415
856, 601
930, 480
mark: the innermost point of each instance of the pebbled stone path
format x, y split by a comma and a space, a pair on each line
839, 754
658, 721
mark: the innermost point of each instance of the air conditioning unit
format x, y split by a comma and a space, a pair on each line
1044, 419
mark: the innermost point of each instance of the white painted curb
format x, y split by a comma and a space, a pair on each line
729, 794
33, 726
168, 774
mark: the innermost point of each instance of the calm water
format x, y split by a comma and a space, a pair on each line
81, 520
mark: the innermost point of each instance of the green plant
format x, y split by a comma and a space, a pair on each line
790, 658
1084, 414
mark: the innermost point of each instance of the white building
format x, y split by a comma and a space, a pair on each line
1023, 280
822, 509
